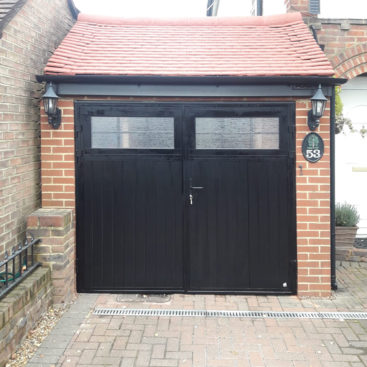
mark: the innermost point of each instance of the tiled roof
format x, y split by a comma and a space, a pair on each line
279, 45
8, 8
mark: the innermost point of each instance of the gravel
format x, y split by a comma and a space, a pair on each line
35, 337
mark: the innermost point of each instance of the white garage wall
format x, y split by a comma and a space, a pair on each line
351, 151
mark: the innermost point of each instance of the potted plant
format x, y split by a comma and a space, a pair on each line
346, 220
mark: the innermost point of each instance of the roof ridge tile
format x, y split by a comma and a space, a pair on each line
270, 20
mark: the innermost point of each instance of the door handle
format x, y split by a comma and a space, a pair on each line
191, 196
196, 187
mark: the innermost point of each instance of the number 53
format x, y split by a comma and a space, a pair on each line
313, 153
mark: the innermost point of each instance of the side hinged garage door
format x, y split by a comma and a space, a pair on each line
185, 197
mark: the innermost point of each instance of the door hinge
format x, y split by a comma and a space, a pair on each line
291, 130
291, 140
78, 155
79, 129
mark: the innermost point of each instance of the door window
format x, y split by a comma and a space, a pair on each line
237, 132
132, 132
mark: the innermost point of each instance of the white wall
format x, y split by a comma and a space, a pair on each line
351, 151
271, 7
343, 9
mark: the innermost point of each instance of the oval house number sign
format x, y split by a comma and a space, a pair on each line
313, 147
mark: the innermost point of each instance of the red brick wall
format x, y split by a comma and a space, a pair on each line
345, 44
26, 44
313, 191
345, 40
57, 159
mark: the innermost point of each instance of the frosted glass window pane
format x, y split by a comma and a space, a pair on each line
237, 133
133, 132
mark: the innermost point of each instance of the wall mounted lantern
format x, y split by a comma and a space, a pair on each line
318, 102
50, 103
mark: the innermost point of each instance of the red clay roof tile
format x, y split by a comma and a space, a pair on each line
279, 45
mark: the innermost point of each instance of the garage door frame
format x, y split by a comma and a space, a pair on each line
254, 106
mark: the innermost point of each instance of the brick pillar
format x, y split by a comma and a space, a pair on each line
55, 227
313, 209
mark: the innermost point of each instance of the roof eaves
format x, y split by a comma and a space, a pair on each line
263, 80
12, 11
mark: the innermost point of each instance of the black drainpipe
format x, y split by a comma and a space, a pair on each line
334, 285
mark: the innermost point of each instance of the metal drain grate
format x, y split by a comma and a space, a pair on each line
245, 314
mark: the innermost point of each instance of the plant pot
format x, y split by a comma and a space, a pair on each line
345, 236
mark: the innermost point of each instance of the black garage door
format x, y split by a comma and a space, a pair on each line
185, 197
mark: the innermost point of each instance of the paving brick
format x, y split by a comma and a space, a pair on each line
179, 355
87, 356
188, 363
154, 340
237, 342
128, 362
115, 323
220, 363
173, 345
164, 362
104, 349
102, 339
132, 346
84, 335
143, 358
120, 342
70, 362
135, 336
124, 353
158, 351
70, 352
100, 329
115, 361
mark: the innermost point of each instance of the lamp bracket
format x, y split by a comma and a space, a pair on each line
312, 122
55, 120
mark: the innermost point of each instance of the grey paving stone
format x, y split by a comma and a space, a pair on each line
54, 346
46, 359
51, 344
44, 350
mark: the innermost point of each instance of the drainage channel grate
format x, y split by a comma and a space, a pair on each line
245, 314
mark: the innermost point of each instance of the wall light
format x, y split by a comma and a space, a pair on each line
318, 102
50, 99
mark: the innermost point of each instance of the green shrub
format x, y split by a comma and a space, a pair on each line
346, 215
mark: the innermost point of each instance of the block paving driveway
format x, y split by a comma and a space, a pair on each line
84, 339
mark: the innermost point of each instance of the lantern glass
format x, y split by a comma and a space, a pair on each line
50, 105
318, 108
318, 103
50, 100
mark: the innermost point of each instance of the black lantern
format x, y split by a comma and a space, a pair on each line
50, 104
318, 107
